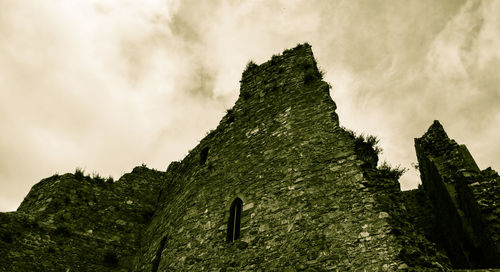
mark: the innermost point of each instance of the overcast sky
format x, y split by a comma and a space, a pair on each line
108, 85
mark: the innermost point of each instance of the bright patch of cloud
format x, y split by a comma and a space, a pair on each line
106, 85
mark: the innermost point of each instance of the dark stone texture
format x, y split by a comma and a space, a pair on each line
81, 223
464, 198
313, 197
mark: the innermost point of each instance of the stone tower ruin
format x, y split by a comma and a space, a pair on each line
279, 185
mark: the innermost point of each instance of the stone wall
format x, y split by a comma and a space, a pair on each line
305, 191
465, 199
313, 198
75, 222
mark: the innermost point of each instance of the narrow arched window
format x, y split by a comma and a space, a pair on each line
233, 224
157, 259
204, 155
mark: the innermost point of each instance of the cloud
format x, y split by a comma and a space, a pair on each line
106, 85
450, 78
95, 84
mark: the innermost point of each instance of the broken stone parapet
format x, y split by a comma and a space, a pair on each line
465, 199
279, 185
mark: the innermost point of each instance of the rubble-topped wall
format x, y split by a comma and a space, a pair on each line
306, 194
307, 200
72, 222
465, 199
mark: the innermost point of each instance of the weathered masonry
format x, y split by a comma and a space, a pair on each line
311, 197
468, 200
279, 185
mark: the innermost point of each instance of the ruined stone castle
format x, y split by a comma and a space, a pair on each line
279, 185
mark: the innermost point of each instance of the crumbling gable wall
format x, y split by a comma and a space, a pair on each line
306, 201
312, 197
465, 199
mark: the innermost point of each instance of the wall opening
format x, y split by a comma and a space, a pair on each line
156, 261
230, 116
234, 222
204, 155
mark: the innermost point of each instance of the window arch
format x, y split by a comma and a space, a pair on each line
234, 222
156, 260
204, 155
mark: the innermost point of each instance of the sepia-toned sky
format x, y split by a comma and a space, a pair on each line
107, 85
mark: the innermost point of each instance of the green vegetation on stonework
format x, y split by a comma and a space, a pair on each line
371, 140
250, 65
80, 175
298, 46
97, 177
387, 171
360, 139
311, 73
